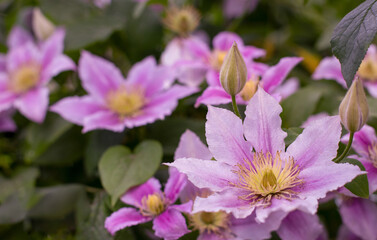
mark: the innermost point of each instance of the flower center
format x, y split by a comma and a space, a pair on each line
25, 78
210, 222
217, 59
125, 102
152, 205
250, 89
368, 69
267, 177
372, 152
182, 21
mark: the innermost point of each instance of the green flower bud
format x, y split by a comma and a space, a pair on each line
42, 27
353, 110
233, 72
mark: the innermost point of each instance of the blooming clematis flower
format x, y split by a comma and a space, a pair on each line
330, 68
365, 144
153, 204
218, 225
258, 174
26, 71
114, 103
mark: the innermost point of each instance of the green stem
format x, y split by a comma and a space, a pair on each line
235, 108
346, 150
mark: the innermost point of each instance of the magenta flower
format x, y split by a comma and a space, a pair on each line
26, 70
330, 68
153, 204
193, 60
365, 144
218, 225
114, 103
359, 216
258, 174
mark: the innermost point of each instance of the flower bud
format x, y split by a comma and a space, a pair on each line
353, 110
182, 20
42, 27
233, 72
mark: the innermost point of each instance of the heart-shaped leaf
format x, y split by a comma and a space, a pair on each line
120, 169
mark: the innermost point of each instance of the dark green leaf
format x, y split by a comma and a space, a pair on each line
352, 37
119, 169
293, 133
56, 202
359, 186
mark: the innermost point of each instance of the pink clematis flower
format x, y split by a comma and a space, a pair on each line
330, 68
365, 144
218, 225
26, 70
258, 174
153, 204
193, 60
114, 103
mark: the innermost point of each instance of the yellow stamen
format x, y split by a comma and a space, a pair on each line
210, 222
372, 152
217, 59
25, 78
152, 205
249, 89
368, 69
266, 177
126, 102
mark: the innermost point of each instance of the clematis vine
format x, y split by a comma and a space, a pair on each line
258, 174
114, 103
218, 225
153, 204
27, 69
329, 68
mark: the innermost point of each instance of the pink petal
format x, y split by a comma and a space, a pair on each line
300, 225
262, 125
124, 217
98, 75
103, 120
371, 174
206, 174
329, 68
24, 54
33, 104
190, 146
170, 225
175, 184
275, 75
59, 64
7, 97
362, 140
318, 143
227, 201
288, 88
213, 95
313, 118
308, 205
243, 228
251, 52
18, 37
224, 40
3, 63
52, 47
136, 194
212, 78
360, 216
345, 234
6, 122
225, 136
185, 207
191, 73
372, 88
322, 178
75, 109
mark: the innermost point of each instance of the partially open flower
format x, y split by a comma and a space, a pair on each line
353, 109
182, 20
233, 73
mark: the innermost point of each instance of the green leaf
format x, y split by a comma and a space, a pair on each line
359, 185
119, 169
293, 133
352, 37
99, 141
56, 202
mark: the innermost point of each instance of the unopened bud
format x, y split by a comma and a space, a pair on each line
353, 110
233, 72
42, 27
